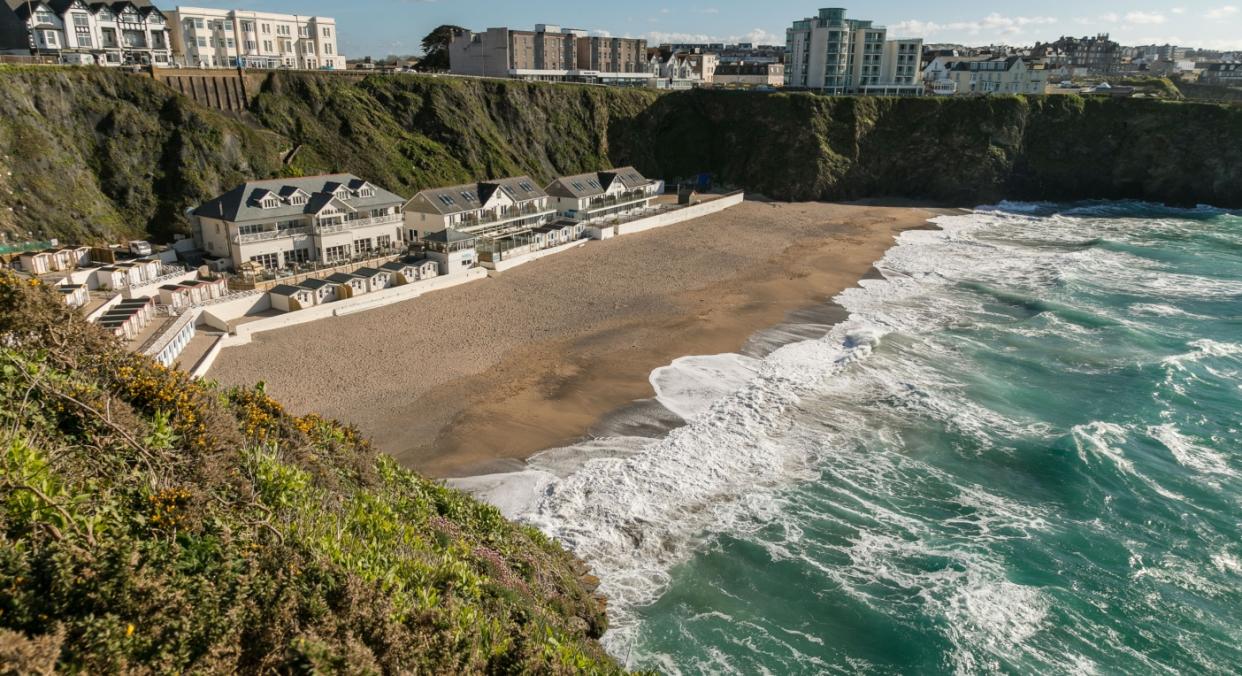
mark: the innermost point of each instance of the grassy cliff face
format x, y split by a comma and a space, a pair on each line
98, 154
957, 150
153, 523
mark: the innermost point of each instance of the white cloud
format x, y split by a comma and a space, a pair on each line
706, 10
1144, 18
992, 23
756, 36
1222, 12
1177, 10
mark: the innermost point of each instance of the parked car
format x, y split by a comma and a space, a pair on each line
140, 248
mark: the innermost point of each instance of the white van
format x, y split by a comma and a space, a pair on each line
140, 248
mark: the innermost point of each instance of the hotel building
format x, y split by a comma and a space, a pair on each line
97, 33
228, 38
285, 222
549, 53
835, 55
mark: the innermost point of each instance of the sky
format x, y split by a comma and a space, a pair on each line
382, 27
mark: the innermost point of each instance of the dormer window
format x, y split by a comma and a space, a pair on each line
366, 192
269, 203
297, 200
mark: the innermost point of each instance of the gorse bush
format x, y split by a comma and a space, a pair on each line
154, 523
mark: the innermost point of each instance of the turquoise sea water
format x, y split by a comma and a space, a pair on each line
1020, 453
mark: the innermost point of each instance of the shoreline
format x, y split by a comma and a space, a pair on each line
574, 337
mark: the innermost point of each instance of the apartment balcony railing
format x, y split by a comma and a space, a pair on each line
270, 235
621, 200
503, 217
357, 223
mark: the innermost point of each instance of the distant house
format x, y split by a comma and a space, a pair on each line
289, 298
751, 74
348, 285
597, 195
99, 33
412, 269
323, 290
282, 223
1226, 74
376, 279
1003, 75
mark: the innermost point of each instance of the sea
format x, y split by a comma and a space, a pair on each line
1016, 451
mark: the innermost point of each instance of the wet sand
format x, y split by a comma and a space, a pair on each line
473, 379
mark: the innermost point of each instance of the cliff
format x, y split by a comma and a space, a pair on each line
95, 153
154, 524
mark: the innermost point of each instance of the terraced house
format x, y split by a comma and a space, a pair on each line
97, 33
601, 194
499, 215
290, 222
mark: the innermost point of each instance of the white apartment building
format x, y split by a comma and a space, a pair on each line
598, 195
482, 210
281, 223
228, 38
99, 33
835, 55
1003, 75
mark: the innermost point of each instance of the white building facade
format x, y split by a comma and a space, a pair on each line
229, 38
836, 55
105, 34
283, 223
1004, 75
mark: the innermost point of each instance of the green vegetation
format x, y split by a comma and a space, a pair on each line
153, 523
102, 154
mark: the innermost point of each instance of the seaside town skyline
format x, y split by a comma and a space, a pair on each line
378, 29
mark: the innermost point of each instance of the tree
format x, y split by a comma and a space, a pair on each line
436, 47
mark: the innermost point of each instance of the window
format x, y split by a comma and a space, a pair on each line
327, 49
247, 26
231, 43
202, 42
81, 21
43, 16
384, 241
267, 45
270, 261
49, 38
267, 28
249, 229
447, 200
327, 32
270, 203
362, 246
335, 253
297, 200
250, 45
297, 256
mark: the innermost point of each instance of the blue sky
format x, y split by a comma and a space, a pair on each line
380, 27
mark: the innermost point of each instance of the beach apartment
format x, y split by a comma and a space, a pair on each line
598, 195
283, 223
499, 215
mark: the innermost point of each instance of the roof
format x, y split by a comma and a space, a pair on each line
314, 284
367, 272
174, 287
286, 290
448, 236
595, 182
470, 196
341, 278
242, 202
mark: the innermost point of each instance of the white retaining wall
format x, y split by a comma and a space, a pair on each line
682, 214
534, 255
219, 314
102, 309
204, 363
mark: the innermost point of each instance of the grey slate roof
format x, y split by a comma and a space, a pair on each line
595, 182
285, 290
448, 236
242, 202
341, 278
367, 272
314, 284
468, 196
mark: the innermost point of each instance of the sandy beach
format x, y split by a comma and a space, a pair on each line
474, 378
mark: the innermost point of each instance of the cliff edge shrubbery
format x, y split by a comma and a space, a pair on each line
97, 153
153, 523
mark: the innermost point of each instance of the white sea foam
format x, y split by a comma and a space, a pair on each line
1188, 453
689, 385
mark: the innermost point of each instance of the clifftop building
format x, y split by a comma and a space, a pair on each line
549, 53
226, 38
97, 33
835, 55
1098, 55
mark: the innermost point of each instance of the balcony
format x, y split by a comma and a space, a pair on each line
624, 199
346, 226
270, 235
491, 218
